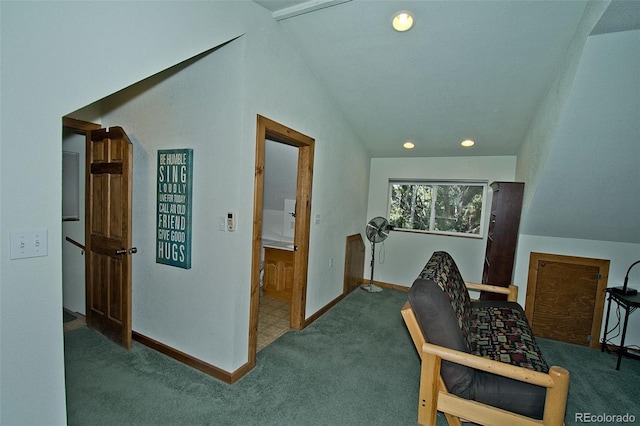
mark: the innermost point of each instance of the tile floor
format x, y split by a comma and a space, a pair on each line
273, 321
76, 323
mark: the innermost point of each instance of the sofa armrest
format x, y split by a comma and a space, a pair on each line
434, 396
556, 382
511, 291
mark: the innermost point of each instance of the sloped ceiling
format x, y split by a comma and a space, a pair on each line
589, 186
474, 69
621, 15
467, 69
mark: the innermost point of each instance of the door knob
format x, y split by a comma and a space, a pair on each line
132, 250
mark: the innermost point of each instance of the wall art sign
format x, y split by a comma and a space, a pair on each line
175, 187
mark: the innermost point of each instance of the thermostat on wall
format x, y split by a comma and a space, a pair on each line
231, 221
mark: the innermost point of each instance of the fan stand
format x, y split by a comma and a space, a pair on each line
372, 288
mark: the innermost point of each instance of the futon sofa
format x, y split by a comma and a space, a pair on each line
479, 359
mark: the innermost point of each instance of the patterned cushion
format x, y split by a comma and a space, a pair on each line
443, 271
500, 331
493, 329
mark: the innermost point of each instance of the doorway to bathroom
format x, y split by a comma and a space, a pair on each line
278, 232
280, 256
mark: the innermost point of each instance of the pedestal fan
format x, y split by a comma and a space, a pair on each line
377, 230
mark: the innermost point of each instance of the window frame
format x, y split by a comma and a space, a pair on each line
434, 183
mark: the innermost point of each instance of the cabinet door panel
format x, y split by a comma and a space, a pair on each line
278, 274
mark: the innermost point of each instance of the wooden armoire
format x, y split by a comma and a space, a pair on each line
502, 238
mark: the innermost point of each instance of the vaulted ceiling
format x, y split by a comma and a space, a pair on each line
478, 70
466, 70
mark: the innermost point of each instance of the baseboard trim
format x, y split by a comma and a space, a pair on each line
388, 285
331, 304
323, 310
191, 361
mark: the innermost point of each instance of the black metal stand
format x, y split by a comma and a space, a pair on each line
629, 304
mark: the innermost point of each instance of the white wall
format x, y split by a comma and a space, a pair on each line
44, 77
280, 184
279, 86
189, 107
405, 253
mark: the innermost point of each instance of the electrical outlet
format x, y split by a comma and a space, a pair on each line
331, 262
27, 243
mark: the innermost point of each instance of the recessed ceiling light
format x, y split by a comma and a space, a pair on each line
409, 145
467, 143
402, 21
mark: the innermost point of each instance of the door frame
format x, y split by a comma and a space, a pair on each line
598, 310
269, 129
78, 126
82, 128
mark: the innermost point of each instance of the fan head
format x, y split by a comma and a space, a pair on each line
377, 229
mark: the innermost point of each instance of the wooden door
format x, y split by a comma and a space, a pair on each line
565, 297
353, 263
108, 233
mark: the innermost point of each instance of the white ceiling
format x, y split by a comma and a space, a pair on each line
467, 69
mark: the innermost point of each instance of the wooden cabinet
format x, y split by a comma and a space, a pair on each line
277, 281
502, 237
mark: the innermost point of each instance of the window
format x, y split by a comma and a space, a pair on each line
451, 208
70, 186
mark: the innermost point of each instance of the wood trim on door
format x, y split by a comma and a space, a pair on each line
601, 264
269, 129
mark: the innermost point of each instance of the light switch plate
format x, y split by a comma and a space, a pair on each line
26, 243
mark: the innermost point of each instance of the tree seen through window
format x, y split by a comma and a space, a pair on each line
437, 207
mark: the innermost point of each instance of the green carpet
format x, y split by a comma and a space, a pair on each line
356, 365
596, 387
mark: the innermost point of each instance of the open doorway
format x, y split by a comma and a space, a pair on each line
278, 235
74, 134
102, 230
290, 268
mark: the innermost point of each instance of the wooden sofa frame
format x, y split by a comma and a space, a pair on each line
433, 395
